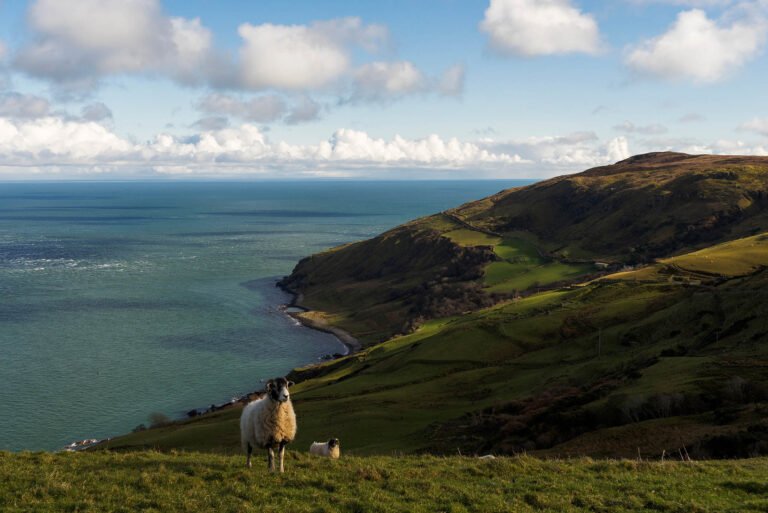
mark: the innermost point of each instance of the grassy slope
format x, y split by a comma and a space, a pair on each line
501, 378
646, 207
191, 482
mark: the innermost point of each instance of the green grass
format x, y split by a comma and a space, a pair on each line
467, 237
734, 258
193, 482
521, 266
420, 392
509, 276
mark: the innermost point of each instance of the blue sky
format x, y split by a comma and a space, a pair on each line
103, 89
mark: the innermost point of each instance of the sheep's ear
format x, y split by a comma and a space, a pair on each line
291, 383
270, 385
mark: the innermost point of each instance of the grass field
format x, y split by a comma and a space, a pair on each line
521, 266
614, 350
193, 482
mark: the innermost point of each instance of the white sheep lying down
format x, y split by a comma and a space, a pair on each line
330, 449
269, 423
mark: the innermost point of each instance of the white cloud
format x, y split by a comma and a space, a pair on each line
54, 144
699, 49
17, 105
631, 128
304, 110
191, 51
451, 83
563, 154
302, 57
354, 145
694, 147
687, 3
82, 40
53, 140
96, 112
539, 27
211, 123
75, 44
757, 125
386, 80
261, 109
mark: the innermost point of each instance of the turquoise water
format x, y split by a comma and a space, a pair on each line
118, 300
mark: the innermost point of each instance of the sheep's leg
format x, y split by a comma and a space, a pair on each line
271, 459
281, 455
249, 451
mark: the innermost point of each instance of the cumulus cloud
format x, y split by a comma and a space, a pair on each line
631, 128
386, 80
56, 143
52, 140
687, 3
451, 83
700, 49
757, 125
96, 111
211, 123
695, 147
568, 153
539, 27
303, 57
77, 42
261, 109
17, 105
306, 109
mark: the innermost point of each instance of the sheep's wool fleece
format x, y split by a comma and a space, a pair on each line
265, 423
322, 449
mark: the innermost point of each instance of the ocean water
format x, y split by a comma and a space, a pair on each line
118, 300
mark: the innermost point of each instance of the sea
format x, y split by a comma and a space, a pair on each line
120, 300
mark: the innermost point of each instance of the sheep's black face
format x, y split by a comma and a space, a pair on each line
333, 442
278, 390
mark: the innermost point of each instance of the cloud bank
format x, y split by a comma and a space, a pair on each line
54, 144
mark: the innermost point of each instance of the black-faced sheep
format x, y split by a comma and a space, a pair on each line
330, 449
269, 423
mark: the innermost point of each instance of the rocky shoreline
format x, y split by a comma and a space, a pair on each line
301, 315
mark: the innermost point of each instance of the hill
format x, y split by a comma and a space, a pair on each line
193, 482
664, 357
531, 238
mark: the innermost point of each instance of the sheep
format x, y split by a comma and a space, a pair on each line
330, 449
269, 423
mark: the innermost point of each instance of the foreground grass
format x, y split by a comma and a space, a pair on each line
148, 481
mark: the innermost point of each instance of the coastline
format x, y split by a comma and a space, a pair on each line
352, 344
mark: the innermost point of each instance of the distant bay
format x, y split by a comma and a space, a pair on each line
122, 299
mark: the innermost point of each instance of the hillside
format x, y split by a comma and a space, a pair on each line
193, 482
662, 357
531, 238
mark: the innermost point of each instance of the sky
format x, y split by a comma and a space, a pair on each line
392, 89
